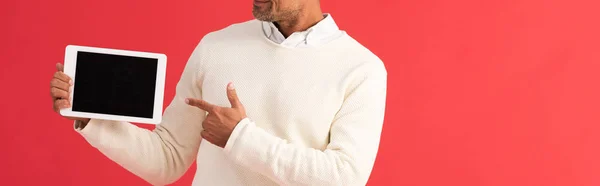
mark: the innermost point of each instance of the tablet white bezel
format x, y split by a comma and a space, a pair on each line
69, 69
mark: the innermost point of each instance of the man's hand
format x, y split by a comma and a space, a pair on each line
60, 89
220, 121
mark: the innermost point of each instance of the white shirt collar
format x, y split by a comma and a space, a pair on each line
320, 33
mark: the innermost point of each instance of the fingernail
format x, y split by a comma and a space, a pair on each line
187, 101
230, 87
70, 82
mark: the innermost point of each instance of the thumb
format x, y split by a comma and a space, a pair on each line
59, 67
232, 96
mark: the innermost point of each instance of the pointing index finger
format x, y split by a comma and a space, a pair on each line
200, 104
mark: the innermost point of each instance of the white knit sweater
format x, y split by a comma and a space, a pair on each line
314, 115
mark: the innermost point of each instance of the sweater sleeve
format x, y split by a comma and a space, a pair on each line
163, 155
347, 160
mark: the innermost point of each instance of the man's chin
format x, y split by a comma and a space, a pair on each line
262, 16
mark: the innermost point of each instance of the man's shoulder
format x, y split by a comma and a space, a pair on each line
358, 54
233, 31
353, 46
228, 36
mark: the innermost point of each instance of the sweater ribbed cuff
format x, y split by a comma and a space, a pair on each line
236, 132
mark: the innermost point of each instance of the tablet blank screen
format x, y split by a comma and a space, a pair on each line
114, 84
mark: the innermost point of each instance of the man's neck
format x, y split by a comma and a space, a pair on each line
304, 21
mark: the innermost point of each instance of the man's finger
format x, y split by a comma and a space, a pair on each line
205, 123
63, 77
204, 134
200, 104
57, 93
207, 136
232, 96
59, 84
61, 104
60, 67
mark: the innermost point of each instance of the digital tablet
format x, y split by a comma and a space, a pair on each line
115, 84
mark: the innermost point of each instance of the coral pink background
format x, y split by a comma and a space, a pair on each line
494, 93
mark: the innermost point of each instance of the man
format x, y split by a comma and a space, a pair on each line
307, 107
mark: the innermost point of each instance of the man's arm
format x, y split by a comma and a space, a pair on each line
163, 155
350, 155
